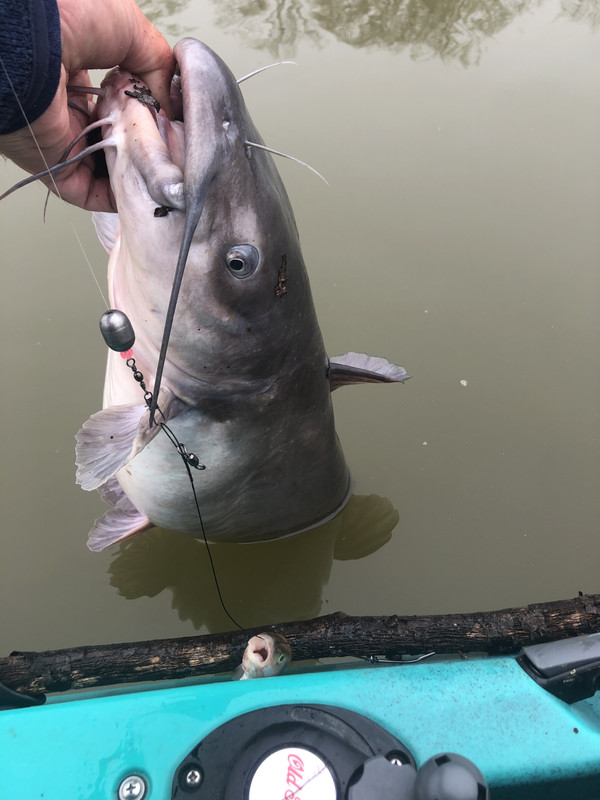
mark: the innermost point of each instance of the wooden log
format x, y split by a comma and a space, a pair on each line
493, 632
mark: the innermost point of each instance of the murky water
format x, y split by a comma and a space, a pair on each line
459, 236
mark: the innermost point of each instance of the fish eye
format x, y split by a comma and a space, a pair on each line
281, 658
242, 260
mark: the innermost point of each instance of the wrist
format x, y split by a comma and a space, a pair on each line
30, 44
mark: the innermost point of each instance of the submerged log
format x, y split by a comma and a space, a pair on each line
494, 632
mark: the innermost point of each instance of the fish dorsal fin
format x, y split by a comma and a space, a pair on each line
118, 523
107, 228
361, 368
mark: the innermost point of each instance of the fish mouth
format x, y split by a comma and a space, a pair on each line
178, 156
259, 649
156, 150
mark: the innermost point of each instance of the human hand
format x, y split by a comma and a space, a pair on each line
95, 35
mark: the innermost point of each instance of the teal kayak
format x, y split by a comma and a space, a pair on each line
216, 737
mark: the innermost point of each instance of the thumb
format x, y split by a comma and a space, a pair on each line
115, 33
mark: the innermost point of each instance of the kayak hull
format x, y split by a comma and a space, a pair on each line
526, 742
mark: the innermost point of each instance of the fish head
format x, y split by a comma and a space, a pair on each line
266, 655
192, 194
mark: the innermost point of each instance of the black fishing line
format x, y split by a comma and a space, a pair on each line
210, 558
189, 460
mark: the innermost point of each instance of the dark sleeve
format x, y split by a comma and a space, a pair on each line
30, 60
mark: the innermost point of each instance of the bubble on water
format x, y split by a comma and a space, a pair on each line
463, 382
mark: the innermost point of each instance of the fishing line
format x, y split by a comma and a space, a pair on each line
119, 336
210, 558
191, 460
51, 176
87, 261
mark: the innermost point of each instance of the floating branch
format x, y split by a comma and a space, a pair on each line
494, 632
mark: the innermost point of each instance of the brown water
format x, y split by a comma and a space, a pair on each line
459, 236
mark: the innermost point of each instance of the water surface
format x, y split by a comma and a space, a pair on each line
458, 236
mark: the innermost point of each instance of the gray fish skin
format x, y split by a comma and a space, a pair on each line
246, 383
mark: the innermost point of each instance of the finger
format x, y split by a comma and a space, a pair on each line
142, 61
53, 132
80, 184
102, 35
83, 189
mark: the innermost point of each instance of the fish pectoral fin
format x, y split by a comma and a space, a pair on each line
116, 525
110, 438
107, 228
238, 674
361, 368
120, 522
107, 441
114, 496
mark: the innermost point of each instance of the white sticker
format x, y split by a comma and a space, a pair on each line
292, 773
